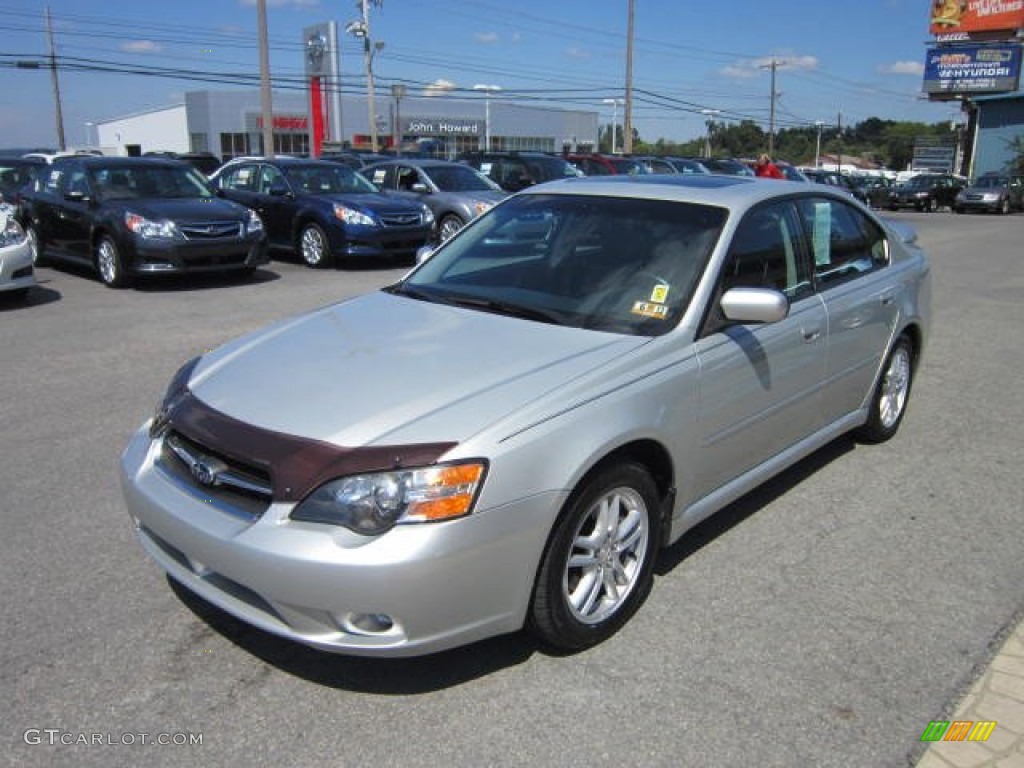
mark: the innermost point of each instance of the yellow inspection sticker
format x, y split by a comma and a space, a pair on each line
650, 309
659, 294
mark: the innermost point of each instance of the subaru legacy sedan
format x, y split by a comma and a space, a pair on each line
325, 211
130, 217
507, 436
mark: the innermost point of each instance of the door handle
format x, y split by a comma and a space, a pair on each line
887, 299
810, 334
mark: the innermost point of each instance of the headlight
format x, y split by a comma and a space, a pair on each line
11, 233
372, 504
428, 215
990, 197
353, 216
253, 223
480, 208
143, 227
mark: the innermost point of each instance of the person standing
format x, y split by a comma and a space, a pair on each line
766, 169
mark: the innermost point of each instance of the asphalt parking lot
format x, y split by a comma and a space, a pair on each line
821, 621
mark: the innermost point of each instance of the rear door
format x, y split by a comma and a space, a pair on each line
850, 256
71, 213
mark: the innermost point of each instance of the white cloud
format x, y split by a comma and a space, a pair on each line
902, 68
141, 46
754, 67
487, 38
577, 53
439, 88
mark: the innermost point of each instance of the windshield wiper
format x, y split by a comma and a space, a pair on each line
505, 308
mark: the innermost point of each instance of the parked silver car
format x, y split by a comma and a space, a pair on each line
17, 271
507, 436
455, 192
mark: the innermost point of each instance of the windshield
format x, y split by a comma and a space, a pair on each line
459, 178
613, 264
632, 167
14, 176
549, 168
128, 182
328, 179
990, 182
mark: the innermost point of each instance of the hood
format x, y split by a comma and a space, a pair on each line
389, 369
377, 202
182, 209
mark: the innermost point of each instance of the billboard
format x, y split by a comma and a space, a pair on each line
968, 16
967, 69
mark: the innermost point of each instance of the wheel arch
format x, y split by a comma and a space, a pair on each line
652, 456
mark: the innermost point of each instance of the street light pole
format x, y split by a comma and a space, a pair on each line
361, 29
817, 147
488, 90
615, 119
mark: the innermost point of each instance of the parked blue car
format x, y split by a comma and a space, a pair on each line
325, 211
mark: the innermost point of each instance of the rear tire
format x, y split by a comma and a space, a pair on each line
449, 225
892, 393
599, 562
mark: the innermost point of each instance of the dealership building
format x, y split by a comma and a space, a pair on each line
229, 124
976, 59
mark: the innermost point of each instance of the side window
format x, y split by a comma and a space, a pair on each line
75, 182
52, 183
241, 178
765, 253
844, 243
270, 177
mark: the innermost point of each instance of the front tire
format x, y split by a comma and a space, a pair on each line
38, 259
449, 225
314, 247
889, 402
599, 562
110, 264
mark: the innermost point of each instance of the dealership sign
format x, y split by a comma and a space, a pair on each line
969, 69
967, 16
441, 126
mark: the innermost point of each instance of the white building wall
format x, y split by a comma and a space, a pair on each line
155, 130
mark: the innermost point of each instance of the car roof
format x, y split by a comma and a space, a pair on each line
423, 162
734, 192
120, 162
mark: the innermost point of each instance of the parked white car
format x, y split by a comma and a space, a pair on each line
17, 273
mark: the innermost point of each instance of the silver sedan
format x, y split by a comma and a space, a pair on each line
455, 192
507, 436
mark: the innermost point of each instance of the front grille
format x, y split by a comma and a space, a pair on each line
401, 219
210, 230
215, 477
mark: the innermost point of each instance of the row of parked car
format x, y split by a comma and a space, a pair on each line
129, 217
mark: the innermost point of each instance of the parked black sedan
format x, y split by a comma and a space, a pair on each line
325, 210
128, 217
926, 192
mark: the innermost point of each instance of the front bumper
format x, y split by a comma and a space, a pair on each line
366, 242
439, 585
16, 270
154, 256
991, 206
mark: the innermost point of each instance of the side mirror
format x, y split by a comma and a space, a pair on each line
278, 190
421, 188
75, 196
755, 305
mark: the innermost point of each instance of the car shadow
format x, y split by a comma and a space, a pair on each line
202, 282
37, 296
726, 518
398, 677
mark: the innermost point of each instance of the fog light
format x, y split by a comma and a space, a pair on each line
369, 623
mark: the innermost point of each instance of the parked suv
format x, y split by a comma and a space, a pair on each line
513, 171
325, 210
607, 165
131, 216
926, 192
993, 192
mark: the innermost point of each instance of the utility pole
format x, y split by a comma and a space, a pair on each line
771, 113
61, 145
266, 103
627, 115
361, 29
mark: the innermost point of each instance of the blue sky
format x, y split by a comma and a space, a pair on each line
859, 60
